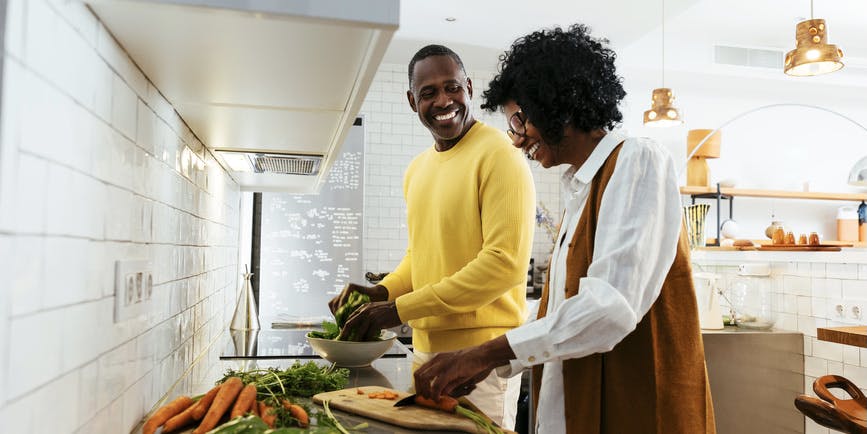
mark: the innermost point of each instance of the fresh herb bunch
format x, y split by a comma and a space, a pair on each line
300, 379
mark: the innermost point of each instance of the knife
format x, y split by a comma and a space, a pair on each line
409, 400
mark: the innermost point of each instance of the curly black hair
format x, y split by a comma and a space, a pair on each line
559, 77
433, 50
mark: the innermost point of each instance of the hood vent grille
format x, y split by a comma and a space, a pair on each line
741, 56
286, 164
271, 162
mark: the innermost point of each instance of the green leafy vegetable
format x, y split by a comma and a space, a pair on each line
356, 300
300, 379
331, 330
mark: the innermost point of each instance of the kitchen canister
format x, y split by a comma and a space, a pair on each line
694, 218
752, 301
707, 298
847, 223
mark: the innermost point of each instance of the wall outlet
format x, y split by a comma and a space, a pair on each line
848, 311
133, 288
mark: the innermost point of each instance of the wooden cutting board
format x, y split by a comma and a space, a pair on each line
801, 247
413, 416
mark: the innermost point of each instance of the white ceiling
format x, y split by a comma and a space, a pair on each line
485, 28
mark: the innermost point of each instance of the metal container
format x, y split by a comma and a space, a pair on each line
246, 317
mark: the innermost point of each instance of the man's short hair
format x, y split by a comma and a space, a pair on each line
433, 50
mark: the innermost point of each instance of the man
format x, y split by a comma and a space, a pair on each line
617, 346
470, 209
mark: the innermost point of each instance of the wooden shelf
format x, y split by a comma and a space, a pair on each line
780, 194
855, 335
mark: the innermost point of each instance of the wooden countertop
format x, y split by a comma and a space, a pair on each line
855, 335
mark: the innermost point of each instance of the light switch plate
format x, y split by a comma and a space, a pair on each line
133, 288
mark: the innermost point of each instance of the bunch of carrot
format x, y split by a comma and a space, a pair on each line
228, 400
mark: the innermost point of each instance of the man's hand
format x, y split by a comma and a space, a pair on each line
365, 323
376, 293
456, 373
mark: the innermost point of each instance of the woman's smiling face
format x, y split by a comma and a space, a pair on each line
526, 137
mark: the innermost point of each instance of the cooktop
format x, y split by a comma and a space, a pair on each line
280, 344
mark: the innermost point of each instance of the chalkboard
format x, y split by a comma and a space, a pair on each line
311, 244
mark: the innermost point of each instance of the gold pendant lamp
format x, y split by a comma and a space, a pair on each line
662, 112
813, 55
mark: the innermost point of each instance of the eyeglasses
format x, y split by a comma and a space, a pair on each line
516, 124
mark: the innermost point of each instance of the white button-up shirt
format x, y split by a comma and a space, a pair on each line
636, 240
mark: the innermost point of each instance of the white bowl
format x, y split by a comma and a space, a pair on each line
352, 354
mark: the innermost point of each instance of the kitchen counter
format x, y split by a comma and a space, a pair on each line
754, 374
855, 335
281, 348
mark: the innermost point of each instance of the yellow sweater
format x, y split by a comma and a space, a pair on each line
470, 213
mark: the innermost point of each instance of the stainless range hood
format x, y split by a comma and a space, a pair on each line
261, 76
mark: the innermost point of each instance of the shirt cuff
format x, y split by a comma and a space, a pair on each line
419, 304
512, 369
530, 343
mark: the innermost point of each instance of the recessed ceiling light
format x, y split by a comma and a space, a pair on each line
451, 19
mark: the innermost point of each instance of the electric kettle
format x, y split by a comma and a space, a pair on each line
707, 297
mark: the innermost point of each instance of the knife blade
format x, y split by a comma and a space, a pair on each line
409, 400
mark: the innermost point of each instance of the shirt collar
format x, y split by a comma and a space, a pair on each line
585, 173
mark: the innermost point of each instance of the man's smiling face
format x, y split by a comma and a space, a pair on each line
441, 94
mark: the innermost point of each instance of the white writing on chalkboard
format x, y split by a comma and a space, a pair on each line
311, 244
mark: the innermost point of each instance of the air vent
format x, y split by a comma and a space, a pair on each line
740, 56
283, 164
286, 164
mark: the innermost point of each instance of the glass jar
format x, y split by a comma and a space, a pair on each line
769, 231
752, 301
779, 236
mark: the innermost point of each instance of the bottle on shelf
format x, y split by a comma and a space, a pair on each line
769, 231
847, 223
862, 222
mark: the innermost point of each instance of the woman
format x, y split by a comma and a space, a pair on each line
616, 347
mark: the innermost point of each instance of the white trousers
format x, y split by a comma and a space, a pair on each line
495, 396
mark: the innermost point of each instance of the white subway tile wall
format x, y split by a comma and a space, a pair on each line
808, 295
92, 171
394, 136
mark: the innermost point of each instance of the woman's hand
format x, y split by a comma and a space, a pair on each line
456, 373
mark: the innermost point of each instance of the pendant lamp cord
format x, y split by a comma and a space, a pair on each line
663, 41
811, 9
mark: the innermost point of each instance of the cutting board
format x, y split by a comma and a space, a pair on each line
413, 416
801, 247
